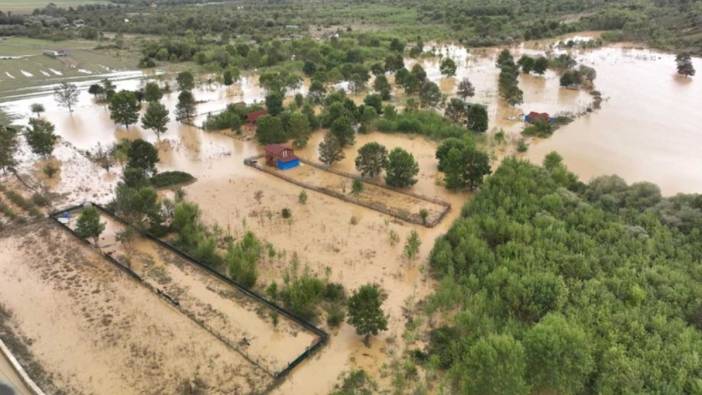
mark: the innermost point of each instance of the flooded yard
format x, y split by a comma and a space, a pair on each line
245, 324
92, 329
647, 129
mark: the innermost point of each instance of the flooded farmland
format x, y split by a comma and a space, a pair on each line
640, 133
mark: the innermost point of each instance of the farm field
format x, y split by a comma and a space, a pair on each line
23, 64
27, 6
95, 330
244, 323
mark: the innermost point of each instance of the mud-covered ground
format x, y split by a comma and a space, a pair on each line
81, 326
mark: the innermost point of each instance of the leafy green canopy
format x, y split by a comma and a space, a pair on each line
601, 295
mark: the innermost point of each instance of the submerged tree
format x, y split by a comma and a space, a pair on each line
155, 118
37, 108
8, 147
372, 159
401, 169
152, 92
465, 89
40, 136
330, 150
684, 63
185, 81
124, 108
366, 313
185, 109
142, 156
448, 67
89, 225
66, 95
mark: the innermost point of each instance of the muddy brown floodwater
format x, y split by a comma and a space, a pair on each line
648, 128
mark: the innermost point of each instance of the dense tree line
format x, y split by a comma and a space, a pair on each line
570, 288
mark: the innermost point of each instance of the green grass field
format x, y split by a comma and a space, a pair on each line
32, 68
27, 6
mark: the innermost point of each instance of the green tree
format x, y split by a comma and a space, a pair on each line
66, 95
330, 150
89, 225
457, 110
152, 92
269, 130
448, 67
142, 156
401, 169
558, 355
316, 91
526, 62
494, 365
8, 147
37, 108
185, 81
366, 313
684, 64
274, 103
382, 86
40, 136
374, 101
299, 129
243, 258
342, 129
477, 118
540, 65
466, 167
430, 94
446, 145
156, 118
185, 109
412, 245
372, 159
124, 108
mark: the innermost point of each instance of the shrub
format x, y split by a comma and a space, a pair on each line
171, 178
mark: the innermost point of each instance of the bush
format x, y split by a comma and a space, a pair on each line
427, 123
171, 178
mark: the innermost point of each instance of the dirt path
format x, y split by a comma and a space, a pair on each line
93, 330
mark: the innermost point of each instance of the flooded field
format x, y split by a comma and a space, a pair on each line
245, 324
647, 129
92, 329
396, 203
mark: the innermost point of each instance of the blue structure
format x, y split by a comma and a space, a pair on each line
281, 156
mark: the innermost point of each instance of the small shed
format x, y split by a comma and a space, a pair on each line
281, 156
253, 116
536, 117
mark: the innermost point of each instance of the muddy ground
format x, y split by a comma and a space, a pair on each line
81, 326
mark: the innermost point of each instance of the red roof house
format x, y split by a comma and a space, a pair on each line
253, 116
534, 117
281, 156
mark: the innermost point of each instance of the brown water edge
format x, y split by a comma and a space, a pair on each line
648, 128
95, 330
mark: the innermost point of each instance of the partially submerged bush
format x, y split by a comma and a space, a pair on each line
171, 178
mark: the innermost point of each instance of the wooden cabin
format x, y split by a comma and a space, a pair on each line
281, 156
